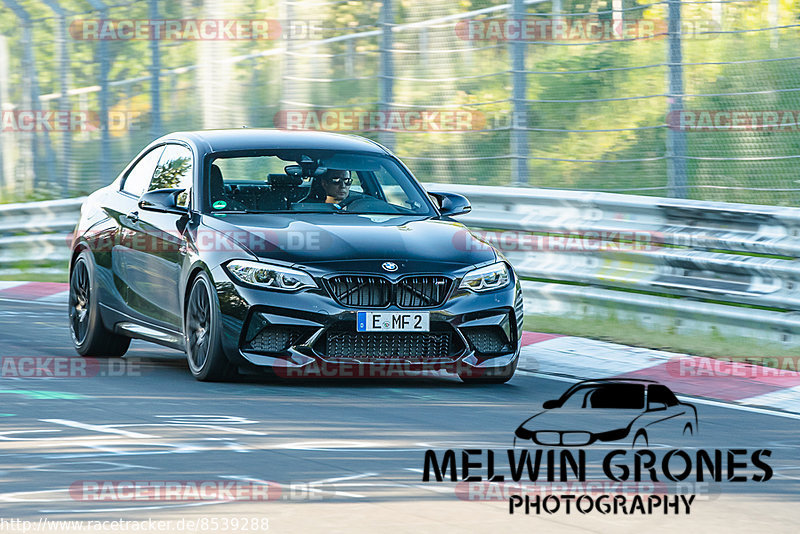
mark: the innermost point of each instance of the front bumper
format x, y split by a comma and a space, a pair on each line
307, 330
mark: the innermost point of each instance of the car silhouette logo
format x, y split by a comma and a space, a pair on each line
613, 409
389, 266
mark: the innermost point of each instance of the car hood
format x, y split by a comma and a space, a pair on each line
312, 239
586, 420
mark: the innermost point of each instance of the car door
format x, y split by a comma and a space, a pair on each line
159, 245
125, 212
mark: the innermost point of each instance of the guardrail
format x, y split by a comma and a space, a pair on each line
34, 236
672, 264
680, 265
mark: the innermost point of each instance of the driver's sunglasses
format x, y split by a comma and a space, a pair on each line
338, 180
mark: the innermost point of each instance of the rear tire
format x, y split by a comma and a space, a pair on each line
493, 375
89, 336
202, 331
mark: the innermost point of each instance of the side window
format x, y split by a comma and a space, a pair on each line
618, 397
356, 185
658, 393
174, 170
140, 175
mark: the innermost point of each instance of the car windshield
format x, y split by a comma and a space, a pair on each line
318, 181
607, 396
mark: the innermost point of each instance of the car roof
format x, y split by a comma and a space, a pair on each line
265, 139
601, 381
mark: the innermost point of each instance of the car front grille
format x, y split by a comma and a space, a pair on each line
566, 439
421, 291
366, 346
364, 291
361, 291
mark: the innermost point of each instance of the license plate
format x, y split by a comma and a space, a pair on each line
393, 321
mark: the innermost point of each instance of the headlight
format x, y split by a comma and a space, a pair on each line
270, 276
486, 278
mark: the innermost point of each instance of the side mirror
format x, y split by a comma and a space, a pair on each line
656, 406
451, 204
163, 201
549, 405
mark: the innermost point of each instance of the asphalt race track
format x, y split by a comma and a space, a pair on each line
336, 455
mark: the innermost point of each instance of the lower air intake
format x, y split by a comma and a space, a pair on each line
275, 339
418, 347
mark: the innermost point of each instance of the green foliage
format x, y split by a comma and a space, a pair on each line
596, 112
169, 175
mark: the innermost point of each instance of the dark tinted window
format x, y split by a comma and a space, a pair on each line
658, 393
138, 178
174, 170
618, 396
261, 182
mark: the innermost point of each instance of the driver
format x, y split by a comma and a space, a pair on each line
332, 187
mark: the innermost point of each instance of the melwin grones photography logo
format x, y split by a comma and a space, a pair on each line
545, 470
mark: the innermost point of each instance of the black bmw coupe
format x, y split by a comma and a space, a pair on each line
289, 251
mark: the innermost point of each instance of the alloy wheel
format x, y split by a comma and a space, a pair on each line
198, 325
79, 293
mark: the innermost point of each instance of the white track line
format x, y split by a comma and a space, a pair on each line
697, 400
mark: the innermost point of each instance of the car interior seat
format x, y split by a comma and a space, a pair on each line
284, 190
217, 190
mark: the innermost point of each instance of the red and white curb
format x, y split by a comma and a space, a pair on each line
54, 292
580, 358
730, 382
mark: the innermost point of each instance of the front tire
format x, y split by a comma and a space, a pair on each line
202, 330
89, 336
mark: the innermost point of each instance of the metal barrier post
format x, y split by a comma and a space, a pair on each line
385, 78
40, 163
155, 77
62, 53
677, 175
4, 186
519, 115
105, 139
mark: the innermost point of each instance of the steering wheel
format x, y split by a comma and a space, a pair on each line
351, 199
360, 198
